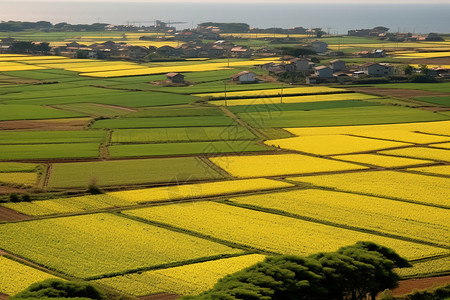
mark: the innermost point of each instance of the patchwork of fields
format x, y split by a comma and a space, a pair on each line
198, 184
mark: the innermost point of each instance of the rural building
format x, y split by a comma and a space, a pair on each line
136, 52
175, 77
245, 77
300, 64
319, 47
342, 77
379, 53
377, 70
241, 52
323, 72
337, 65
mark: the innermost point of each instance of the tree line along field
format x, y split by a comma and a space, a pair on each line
197, 186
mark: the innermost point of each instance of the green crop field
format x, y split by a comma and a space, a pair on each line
177, 111
184, 148
129, 172
89, 247
443, 101
165, 122
188, 134
49, 151
443, 87
341, 116
93, 109
51, 137
33, 112
17, 167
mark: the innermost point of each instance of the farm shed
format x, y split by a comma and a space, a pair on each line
377, 70
323, 72
175, 77
245, 77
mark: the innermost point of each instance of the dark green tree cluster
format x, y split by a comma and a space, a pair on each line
352, 272
58, 289
46, 26
296, 51
24, 47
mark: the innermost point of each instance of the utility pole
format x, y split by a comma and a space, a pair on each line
225, 88
281, 95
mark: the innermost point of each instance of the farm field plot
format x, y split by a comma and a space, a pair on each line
199, 190
443, 87
129, 246
10, 66
66, 205
33, 112
17, 167
281, 164
202, 148
444, 101
403, 136
49, 151
441, 146
47, 124
184, 280
51, 137
95, 109
421, 152
438, 170
165, 122
128, 172
434, 266
384, 161
274, 92
439, 128
25, 178
188, 134
333, 144
398, 185
409, 220
341, 117
425, 54
269, 232
295, 99
177, 111
15, 277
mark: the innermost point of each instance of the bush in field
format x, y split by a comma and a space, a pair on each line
421, 78
14, 197
352, 272
59, 289
26, 198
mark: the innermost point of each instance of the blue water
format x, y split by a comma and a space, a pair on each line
336, 18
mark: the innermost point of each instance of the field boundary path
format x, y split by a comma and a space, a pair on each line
409, 285
241, 122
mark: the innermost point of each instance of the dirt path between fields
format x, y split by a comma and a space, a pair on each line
7, 214
407, 286
7, 190
3, 296
160, 297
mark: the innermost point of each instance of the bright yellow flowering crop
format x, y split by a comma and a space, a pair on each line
4, 67
19, 178
270, 232
332, 144
67, 205
101, 68
295, 99
443, 146
184, 280
421, 152
283, 164
425, 54
19, 58
440, 170
404, 136
440, 127
199, 190
382, 160
426, 223
91, 245
274, 92
412, 187
15, 277
427, 267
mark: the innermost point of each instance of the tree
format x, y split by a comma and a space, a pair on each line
407, 69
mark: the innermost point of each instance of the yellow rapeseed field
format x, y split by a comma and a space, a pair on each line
426, 267
274, 92
440, 127
15, 277
439, 170
294, 99
332, 144
95, 244
426, 223
421, 152
270, 232
188, 191
443, 146
283, 164
102, 68
19, 178
384, 161
67, 205
264, 35
412, 187
425, 54
184, 280
4, 67
403, 136
30, 57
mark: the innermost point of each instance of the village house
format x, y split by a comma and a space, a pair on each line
6, 44
245, 77
319, 47
241, 52
299, 64
377, 69
168, 51
175, 77
337, 65
323, 72
136, 52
